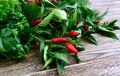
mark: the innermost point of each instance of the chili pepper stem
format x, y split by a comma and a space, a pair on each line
48, 41
77, 58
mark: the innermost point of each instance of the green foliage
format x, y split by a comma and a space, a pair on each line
106, 32
91, 39
60, 65
59, 55
58, 19
32, 11
10, 46
12, 21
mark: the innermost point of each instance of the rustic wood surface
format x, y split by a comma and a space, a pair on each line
100, 60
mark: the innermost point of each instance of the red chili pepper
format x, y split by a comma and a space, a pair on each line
54, 1
71, 48
86, 27
29, 1
72, 34
38, 2
96, 21
59, 40
35, 22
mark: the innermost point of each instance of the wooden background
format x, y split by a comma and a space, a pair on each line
100, 60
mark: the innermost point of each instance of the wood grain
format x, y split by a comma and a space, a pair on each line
100, 60
109, 66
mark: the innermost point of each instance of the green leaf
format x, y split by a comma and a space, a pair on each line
109, 28
41, 52
107, 33
47, 32
91, 39
26, 48
1, 46
59, 55
32, 11
45, 54
32, 37
61, 14
64, 28
9, 44
42, 11
82, 2
89, 32
112, 23
73, 19
19, 47
102, 28
12, 50
44, 32
115, 27
101, 16
89, 22
47, 19
60, 65
6, 32
87, 12
75, 15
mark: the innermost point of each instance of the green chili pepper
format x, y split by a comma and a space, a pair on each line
56, 47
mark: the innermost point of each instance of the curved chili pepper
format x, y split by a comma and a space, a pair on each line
54, 1
72, 34
59, 40
38, 2
70, 47
56, 47
86, 27
29, 1
96, 21
35, 22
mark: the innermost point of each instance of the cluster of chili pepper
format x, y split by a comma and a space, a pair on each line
86, 27
69, 46
37, 1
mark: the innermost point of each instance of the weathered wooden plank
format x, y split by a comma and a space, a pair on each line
109, 66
